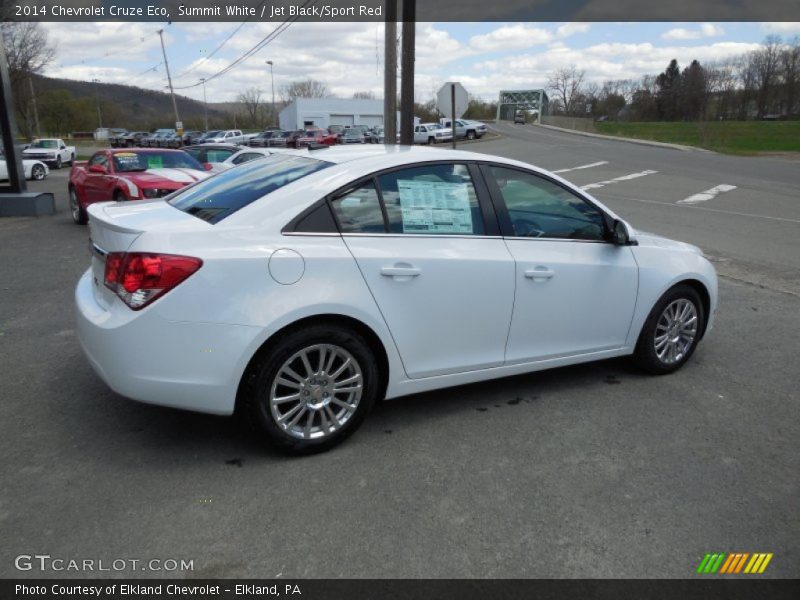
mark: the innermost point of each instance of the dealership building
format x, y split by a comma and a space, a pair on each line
324, 112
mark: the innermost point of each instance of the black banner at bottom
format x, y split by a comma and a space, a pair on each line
411, 589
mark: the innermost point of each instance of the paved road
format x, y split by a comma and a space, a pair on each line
589, 471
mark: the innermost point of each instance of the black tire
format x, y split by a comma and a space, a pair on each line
37, 173
431, 140
71, 160
78, 213
470, 135
119, 196
645, 354
256, 392
58, 162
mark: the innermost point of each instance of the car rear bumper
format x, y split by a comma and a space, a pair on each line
140, 355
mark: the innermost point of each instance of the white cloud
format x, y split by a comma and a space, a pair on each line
706, 30
784, 28
568, 29
510, 37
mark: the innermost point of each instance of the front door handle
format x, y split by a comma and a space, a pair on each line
539, 273
400, 271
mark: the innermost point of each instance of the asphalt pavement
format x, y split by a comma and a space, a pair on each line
589, 471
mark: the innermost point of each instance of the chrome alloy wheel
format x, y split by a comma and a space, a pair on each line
74, 205
676, 331
316, 391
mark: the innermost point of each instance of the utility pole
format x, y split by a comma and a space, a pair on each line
169, 78
272, 79
35, 109
205, 103
407, 67
390, 73
96, 83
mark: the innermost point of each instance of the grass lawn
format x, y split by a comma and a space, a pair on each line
730, 137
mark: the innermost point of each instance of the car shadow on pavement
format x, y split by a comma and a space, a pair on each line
99, 418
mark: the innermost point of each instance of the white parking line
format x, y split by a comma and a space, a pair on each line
708, 194
589, 166
600, 184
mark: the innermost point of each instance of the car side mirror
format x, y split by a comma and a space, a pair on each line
63, 148
208, 166
619, 234
97, 169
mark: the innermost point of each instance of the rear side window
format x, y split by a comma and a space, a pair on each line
222, 195
358, 210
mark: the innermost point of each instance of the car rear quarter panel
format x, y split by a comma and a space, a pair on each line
235, 287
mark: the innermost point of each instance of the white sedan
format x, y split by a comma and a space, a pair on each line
246, 155
35, 170
301, 288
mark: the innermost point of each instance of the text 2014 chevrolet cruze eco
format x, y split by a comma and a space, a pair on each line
302, 288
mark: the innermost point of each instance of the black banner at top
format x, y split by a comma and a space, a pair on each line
375, 10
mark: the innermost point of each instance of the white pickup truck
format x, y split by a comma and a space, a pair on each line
52, 151
230, 136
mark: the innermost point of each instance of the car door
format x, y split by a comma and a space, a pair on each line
97, 186
441, 275
575, 291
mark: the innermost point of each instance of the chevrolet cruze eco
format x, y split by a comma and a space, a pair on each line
299, 289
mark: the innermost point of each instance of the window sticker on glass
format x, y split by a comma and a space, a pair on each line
435, 206
155, 162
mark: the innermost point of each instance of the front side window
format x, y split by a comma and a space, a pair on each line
540, 208
222, 195
358, 210
432, 199
246, 157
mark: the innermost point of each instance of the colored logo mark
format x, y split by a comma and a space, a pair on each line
734, 563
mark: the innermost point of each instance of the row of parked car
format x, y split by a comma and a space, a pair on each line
425, 133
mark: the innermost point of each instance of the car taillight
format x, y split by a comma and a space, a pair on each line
139, 278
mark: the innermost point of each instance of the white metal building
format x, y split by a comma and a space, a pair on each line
324, 112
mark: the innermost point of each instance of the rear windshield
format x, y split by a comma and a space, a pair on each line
222, 195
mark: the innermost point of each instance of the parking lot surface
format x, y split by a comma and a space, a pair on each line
589, 471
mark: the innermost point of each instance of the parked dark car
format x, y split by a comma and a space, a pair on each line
192, 137
262, 139
287, 139
207, 135
133, 139
116, 138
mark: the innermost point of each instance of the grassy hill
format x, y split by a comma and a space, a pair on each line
123, 105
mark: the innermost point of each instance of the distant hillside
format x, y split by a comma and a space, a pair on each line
127, 106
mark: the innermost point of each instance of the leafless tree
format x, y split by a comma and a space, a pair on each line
365, 95
250, 99
566, 84
765, 62
309, 88
28, 53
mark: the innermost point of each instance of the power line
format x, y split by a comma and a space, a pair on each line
218, 48
259, 46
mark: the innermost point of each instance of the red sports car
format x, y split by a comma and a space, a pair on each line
129, 174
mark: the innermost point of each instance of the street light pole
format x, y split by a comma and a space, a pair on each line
169, 78
205, 103
272, 78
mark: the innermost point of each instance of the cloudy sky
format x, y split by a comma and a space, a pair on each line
348, 57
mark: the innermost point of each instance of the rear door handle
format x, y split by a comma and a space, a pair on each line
540, 273
397, 271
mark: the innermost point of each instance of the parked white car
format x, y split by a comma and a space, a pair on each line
432, 133
229, 136
52, 151
246, 155
466, 128
303, 287
35, 170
